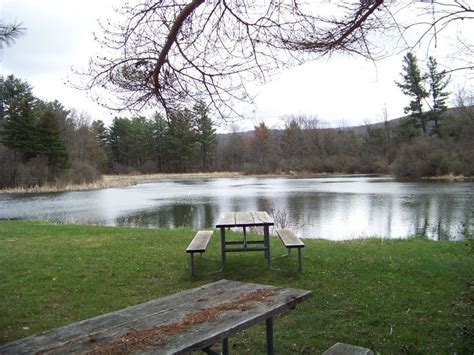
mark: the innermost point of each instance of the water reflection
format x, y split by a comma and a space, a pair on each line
332, 208
179, 215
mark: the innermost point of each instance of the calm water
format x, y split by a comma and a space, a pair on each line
336, 208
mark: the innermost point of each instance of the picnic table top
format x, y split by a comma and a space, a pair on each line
242, 219
192, 319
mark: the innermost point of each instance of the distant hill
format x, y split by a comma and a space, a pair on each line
360, 129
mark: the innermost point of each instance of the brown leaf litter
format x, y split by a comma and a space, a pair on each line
158, 336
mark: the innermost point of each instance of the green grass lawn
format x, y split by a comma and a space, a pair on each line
409, 296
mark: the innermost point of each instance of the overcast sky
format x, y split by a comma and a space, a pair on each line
338, 89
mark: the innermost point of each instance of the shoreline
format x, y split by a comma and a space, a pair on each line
116, 181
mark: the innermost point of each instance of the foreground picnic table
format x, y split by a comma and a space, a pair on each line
245, 220
189, 320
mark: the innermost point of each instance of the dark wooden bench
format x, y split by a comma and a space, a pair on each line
198, 245
291, 241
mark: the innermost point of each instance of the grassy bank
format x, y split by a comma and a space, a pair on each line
412, 296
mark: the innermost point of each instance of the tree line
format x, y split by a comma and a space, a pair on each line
185, 141
42, 142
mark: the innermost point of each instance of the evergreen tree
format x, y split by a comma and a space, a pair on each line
413, 86
119, 140
101, 133
18, 118
376, 140
160, 141
181, 139
9, 32
438, 81
205, 134
140, 141
48, 140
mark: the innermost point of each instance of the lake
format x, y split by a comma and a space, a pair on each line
336, 208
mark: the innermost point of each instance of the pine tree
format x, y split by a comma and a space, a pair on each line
205, 134
140, 141
438, 81
48, 140
181, 139
18, 118
9, 32
160, 141
101, 133
119, 140
413, 86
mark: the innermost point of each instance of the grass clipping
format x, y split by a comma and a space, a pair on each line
158, 336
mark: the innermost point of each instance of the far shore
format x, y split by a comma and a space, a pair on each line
114, 181
111, 181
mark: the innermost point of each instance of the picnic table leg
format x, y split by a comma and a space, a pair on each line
269, 326
223, 248
299, 260
266, 238
193, 272
225, 346
245, 238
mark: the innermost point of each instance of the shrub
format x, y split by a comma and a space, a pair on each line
341, 164
425, 156
82, 172
120, 169
7, 164
149, 167
373, 165
32, 173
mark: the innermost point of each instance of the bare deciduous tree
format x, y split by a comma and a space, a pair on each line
174, 52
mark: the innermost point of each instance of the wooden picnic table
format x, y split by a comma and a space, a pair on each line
245, 220
190, 320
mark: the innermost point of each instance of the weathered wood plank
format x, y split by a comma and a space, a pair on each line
235, 320
98, 328
263, 217
199, 242
226, 220
289, 238
91, 334
244, 219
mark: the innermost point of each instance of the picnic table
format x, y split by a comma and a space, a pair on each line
195, 319
245, 220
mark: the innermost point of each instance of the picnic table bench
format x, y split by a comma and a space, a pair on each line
195, 319
291, 241
198, 245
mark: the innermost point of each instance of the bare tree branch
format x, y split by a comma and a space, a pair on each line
172, 52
